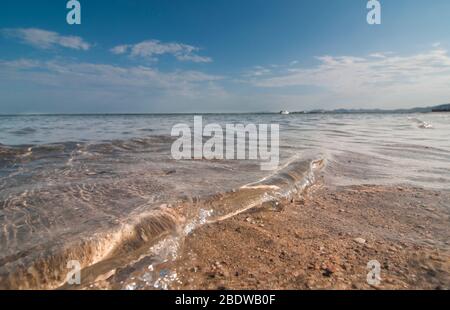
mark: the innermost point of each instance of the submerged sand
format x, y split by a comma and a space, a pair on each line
324, 241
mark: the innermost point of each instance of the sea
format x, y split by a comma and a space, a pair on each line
104, 193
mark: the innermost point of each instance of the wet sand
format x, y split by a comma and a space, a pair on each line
324, 241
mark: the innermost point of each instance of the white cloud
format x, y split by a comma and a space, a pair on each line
85, 73
378, 55
380, 79
44, 39
84, 86
153, 48
20, 64
257, 71
120, 49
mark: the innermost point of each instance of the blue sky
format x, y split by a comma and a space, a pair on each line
222, 56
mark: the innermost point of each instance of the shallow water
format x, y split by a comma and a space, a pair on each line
104, 189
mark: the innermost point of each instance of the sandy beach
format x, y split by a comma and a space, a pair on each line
324, 241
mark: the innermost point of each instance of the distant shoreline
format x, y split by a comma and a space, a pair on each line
432, 109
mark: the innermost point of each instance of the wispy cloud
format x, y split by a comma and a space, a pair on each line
44, 39
257, 71
385, 78
378, 55
113, 87
110, 75
120, 49
151, 49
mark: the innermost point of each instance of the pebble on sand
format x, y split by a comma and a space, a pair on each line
359, 240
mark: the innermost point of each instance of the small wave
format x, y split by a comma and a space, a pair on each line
425, 125
421, 124
290, 180
47, 268
23, 131
10, 154
101, 254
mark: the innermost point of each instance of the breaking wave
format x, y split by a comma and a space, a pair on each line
151, 236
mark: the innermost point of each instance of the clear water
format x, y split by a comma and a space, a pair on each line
401, 147
95, 186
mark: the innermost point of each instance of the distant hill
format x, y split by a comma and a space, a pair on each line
439, 108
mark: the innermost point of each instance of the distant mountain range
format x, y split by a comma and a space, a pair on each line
439, 108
